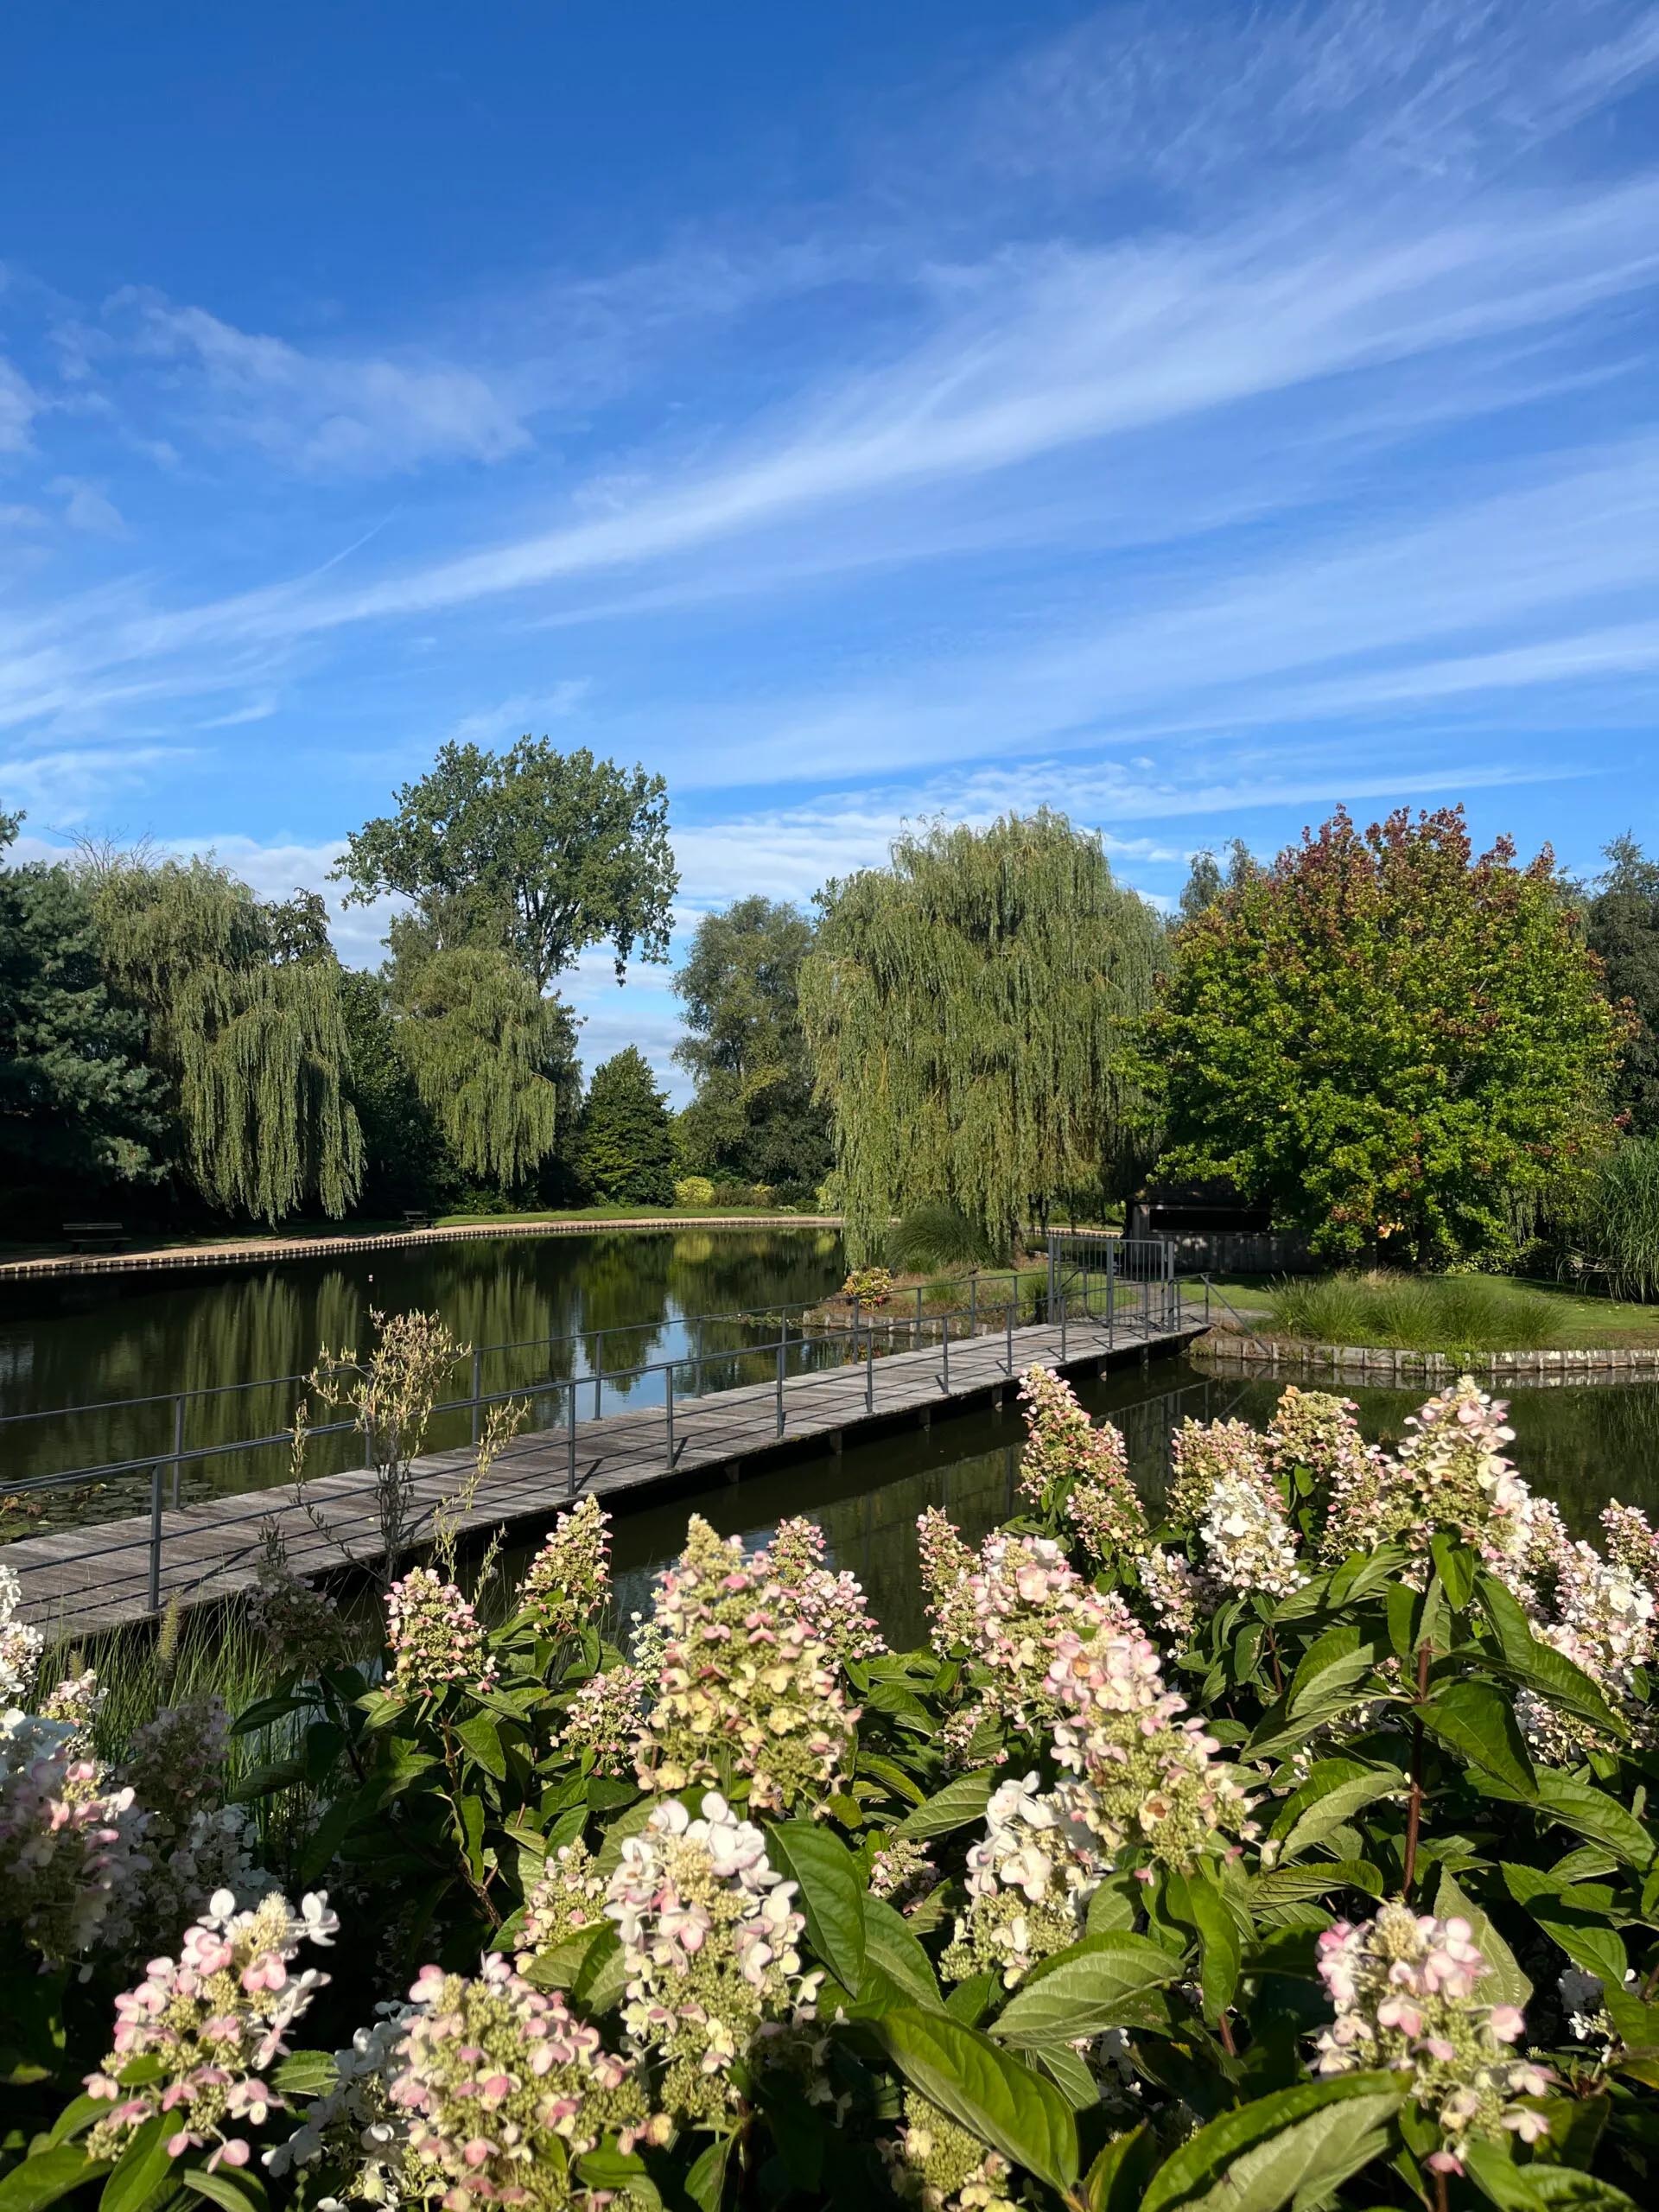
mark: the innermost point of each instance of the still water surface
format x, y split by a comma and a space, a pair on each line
566, 1305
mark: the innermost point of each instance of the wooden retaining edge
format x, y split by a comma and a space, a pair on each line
236, 1255
1376, 1364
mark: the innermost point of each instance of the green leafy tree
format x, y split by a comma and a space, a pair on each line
970, 1011
480, 1040
625, 1146
1404, 1047
1623, 926
1207, 880
80, 1113
537, 853
753, 1116
250, 1035
406, 1160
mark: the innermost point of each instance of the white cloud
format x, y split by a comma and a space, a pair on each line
321, 412
87, 506
19, 404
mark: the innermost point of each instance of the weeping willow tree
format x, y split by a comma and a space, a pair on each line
483, 1044
246, 1023
970, 1011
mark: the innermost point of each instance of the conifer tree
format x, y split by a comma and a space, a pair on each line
625, 1148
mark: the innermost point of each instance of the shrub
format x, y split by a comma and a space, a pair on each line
935, 1236
694, 1190
1296, 1852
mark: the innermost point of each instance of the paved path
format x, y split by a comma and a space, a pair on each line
77, 1581
241, 1251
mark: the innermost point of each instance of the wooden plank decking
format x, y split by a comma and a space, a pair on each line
78, 1581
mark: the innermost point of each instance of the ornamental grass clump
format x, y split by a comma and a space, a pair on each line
745, 1692
1404, 1988
505, 2089
214, 2021
710, 1945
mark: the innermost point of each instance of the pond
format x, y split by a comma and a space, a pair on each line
564, 1305
1582, 1446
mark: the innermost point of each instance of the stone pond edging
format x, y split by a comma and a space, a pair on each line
1622, 1363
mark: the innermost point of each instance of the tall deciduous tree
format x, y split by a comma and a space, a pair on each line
481, 1041
538, 853
624, 1149
969, 1009
80, 1113
753, 1115
1401, 1045
1623, 926
250, 1035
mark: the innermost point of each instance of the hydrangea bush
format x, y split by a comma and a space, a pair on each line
1286, 1847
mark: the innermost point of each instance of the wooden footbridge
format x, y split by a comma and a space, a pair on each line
870, 1376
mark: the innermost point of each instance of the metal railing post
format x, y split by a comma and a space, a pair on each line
156, 1538
918, 1316
178, 1445
477, 1391
1008, 1357
668, 1408
973, 1303
945, 1341
783, 1354
1111, 1296
1063, 1352
869, 1370
570, 1440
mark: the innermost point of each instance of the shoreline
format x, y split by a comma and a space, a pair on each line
264, 1251
1385, 1365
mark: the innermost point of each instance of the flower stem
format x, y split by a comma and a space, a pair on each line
1414, 1804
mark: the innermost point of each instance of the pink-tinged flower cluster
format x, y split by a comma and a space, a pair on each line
1008, 1608
433, 1637
1452, 1472
1605, 1625
832, 1605
1404, 1990
1179, 1596
68, 1838
743, 1686
1148, 1784
1317, 1433
1077, 1472
710, 1941
1248, 1543
1029, 1877
215, 2019
20, 1644
935, 2162
176, 1760
353, 2128
603, 1721
568, 1581
1204, 1453
75, 1705
504, 2089
1632, 1544
300, 1625
902, 1872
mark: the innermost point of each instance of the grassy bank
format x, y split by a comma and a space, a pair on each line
1439, 1314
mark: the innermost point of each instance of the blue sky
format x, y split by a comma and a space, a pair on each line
1187, 416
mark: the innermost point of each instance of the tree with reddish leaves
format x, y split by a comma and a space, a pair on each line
1406, 1048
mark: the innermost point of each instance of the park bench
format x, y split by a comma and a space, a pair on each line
94, 1235
416, 1218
